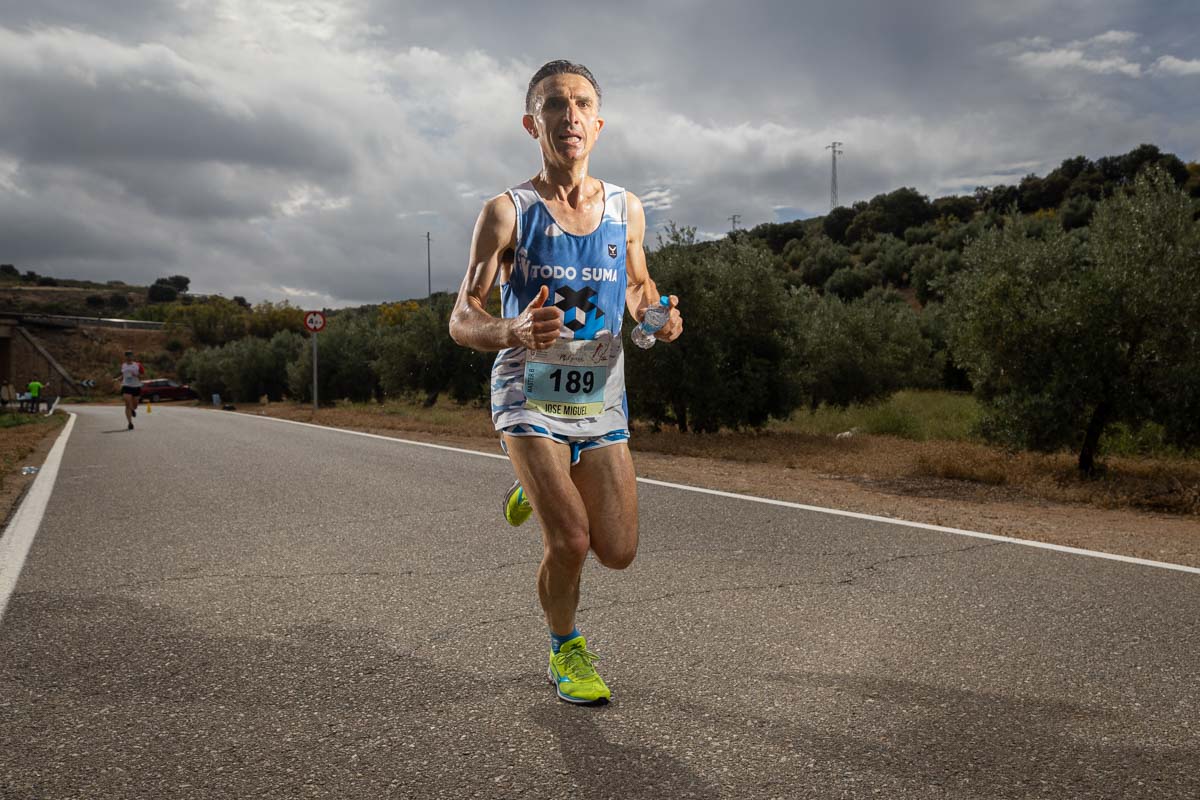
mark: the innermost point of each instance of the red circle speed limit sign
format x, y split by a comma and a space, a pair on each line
314, 321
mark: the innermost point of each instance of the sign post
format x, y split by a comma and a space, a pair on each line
314, 321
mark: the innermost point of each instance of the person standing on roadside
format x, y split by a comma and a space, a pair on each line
35, 394
7, 395
568, 250
131, 385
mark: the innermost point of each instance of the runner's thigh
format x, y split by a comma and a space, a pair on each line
608, 486
543, 467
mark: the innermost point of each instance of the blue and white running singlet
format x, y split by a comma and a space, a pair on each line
576, 387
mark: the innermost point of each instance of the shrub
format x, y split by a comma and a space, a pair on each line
161, 293
853, 283
214, 321
417, 355
856, 352
267, 319
732, 367
1064, 335
243, 370
823, 261
346, 349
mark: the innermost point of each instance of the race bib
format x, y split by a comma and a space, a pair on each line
568, 379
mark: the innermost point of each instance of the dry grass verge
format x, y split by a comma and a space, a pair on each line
919, 468
24, 444
17, 441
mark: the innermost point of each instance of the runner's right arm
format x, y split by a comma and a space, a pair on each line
535, 328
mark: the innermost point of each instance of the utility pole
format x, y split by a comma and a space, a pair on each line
428, 265
734, 219
835, 150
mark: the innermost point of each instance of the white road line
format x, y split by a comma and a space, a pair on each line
377, 436
18, 536
1079, 551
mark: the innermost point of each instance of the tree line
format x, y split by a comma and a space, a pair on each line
1066, 303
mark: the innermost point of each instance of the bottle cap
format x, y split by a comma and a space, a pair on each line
664, 300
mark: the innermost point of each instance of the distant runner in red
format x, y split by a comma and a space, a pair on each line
131, 385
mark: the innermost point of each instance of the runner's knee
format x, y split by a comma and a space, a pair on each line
618, 558
568, 546
617, 554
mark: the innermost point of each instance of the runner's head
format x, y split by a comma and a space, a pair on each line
562, 111
128, 356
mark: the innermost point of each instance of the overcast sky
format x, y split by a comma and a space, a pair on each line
301, 150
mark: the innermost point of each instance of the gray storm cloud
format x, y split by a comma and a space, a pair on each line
280, 150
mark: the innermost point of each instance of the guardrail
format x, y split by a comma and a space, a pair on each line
66, 321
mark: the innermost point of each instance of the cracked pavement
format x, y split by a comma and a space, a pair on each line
218, 605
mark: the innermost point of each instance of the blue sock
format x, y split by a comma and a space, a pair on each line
557, 641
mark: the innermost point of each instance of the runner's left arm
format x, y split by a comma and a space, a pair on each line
641, 292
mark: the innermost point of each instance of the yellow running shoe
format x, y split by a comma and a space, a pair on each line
573, 675
516, 505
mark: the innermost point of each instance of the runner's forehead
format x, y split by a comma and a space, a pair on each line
565, 85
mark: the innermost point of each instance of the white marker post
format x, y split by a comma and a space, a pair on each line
314, 321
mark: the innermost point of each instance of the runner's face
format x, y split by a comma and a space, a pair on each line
565, 119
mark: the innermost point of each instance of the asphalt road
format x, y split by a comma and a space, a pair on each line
219, 605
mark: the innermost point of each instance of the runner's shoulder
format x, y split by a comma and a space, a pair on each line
500, 209
635, 214
499, 217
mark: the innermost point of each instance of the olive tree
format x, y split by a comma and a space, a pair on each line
1065, 334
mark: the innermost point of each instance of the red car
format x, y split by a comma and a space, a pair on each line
164, 389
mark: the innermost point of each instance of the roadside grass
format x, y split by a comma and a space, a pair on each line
11, 420
915, 443
22, 434
407, 415
919, 416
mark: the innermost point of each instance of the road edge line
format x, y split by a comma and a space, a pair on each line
375, 436
23, 527
1059, 548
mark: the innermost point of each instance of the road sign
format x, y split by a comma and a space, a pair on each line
314, 321
88, 384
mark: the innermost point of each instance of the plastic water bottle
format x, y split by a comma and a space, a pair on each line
654, 318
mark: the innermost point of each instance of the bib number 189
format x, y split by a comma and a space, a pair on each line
568, 380
575, 380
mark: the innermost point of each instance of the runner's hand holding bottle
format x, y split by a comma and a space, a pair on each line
652, 322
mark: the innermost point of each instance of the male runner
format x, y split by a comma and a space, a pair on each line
568, 250
131, 385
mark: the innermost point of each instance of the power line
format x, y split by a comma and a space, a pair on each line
835, 151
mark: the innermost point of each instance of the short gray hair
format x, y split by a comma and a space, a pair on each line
560, 67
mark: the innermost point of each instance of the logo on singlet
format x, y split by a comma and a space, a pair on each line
576, 305
612, 251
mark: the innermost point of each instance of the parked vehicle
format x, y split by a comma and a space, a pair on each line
158, 389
